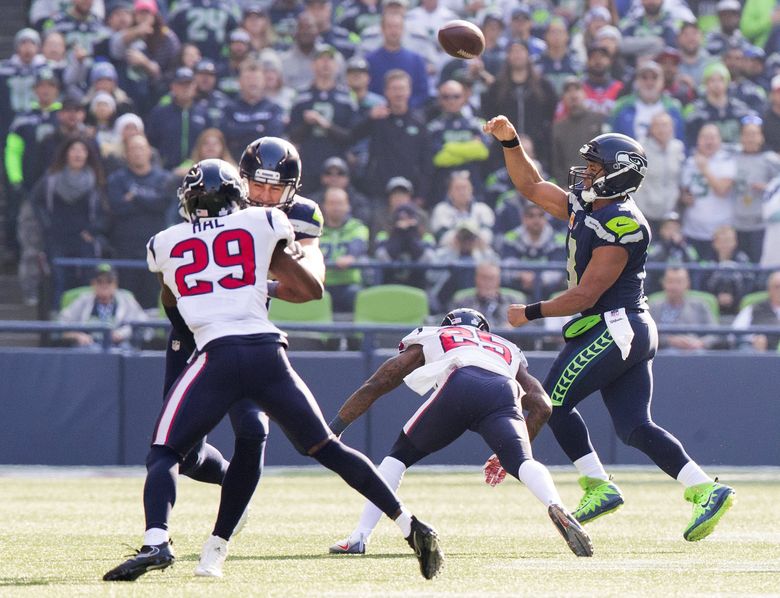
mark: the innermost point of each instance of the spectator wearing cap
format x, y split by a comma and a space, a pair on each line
754, 66
239, 50
693, 57
333, 35
756, 167
392, 55
600, 87
105, 303
398, 143
207, 97
321, 118
175, 123
138, 197
521, 30
668, 246
457, 140
660, 190
675, 84
251, 115
707, 190
358, 79
558, 62
727, 33
101, 114
398, 191
650, 31
17, 77
256, 21
525, 97
103, 77
146, 55
461, 204
298, 60
493, 57
344, 241
335, 173
81, 28
534, 241
205, 23
632, 113
771, 117
741, 87
716, 106
405, 241
578, 125
24, 160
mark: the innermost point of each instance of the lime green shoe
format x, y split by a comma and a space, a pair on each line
601, 497
710, 502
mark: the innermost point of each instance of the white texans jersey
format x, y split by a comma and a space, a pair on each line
447, 348
218, 270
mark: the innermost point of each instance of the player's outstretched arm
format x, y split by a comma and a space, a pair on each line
526, 178
389, 376
535, 401
295, 280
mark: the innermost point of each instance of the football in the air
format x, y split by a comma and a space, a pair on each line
461, 39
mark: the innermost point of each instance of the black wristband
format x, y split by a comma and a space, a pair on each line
515, 142
338, 425
533, 311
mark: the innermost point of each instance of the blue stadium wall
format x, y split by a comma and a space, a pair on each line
69, 407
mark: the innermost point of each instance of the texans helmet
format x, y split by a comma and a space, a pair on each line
211, 188
623, 160
273, 161
464, 316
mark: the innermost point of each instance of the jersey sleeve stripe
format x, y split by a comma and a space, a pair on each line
270, 217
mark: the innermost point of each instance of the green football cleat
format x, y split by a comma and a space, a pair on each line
710, 502
600, 498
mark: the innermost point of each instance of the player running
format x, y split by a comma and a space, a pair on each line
216, 268
479, 378
610, 347
271, 169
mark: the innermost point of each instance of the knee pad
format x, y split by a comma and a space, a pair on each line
405, 451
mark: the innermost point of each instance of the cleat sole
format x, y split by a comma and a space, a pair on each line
576, 538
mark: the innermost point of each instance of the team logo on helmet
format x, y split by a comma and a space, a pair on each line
631, 160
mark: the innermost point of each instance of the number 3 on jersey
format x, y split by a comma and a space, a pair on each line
454, 337
230, 248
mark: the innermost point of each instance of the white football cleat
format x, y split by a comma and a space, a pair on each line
212, 557
350, 545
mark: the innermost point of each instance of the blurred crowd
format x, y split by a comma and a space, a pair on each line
105, 104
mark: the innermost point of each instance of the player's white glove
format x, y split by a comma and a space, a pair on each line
295, 250
494, 473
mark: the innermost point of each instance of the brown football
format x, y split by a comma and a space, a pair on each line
461, 39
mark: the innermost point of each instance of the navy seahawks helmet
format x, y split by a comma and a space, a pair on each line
211, 188
274, 161
623, 160
463, 316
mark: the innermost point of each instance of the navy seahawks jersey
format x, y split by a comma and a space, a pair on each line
620, 224
306, 218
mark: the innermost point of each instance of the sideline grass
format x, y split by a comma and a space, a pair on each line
59, 535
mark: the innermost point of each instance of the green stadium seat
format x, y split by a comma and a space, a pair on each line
71, 295
391, 304
753, 298
314, 312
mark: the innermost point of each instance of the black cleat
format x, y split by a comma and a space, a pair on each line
576, 537
425, 542
149, 558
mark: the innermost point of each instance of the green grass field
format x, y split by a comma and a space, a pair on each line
60, 534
